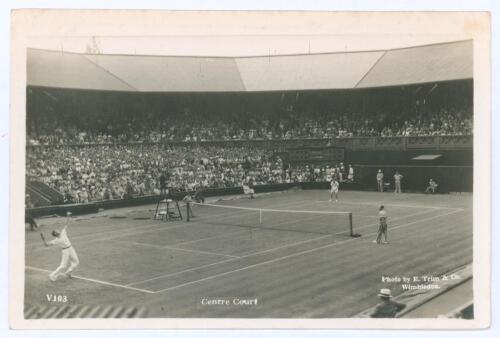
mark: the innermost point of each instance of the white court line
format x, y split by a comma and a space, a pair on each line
364, 216
389, 220
414, 214
297, 254
403, 216
229, 234
140, 231
173, 248
128, 233
251, 228
265, 251
94, 280
248, 255
213, 217
396, 205
132, 228
229, 260
269, 250
184, 271
273, 210
143, 232
240, 257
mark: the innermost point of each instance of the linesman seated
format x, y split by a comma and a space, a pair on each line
431, 188
247, 190
198, 195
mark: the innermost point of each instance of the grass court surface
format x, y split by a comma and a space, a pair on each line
304, 265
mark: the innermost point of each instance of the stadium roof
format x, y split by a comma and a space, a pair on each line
423, 64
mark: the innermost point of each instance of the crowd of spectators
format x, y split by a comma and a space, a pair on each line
94, 173
121, 153
192, 127
442, 122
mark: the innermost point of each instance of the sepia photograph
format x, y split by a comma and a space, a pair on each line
252, 165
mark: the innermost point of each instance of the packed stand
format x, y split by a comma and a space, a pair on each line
95, 173
194, 127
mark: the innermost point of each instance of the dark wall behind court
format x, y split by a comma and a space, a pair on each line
396, 157
416, 178
453, 171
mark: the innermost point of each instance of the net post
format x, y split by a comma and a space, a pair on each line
188, 216
351, 231
260, 216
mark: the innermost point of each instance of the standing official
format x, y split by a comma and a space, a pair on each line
380, 181
397, 183
350, 177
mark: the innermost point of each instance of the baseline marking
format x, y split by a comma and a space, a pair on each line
94, 280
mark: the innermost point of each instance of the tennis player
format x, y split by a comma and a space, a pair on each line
334, 189
382, 229
69, 260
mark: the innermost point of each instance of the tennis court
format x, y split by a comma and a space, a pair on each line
296, 264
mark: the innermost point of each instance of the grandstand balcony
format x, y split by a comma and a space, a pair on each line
450, 142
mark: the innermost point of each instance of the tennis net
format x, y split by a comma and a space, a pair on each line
307, 221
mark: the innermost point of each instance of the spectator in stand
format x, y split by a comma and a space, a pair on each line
193, 126
111, 155
388, 308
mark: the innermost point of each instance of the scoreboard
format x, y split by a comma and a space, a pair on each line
315, 154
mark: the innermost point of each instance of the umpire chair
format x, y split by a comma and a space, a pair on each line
167, 208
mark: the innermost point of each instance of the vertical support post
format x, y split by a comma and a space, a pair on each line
260, 216
188, 214
178, 209
350, 225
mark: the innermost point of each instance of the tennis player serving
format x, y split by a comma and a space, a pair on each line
69, 260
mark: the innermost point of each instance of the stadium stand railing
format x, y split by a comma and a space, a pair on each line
349, 143
36, 197
42, 194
